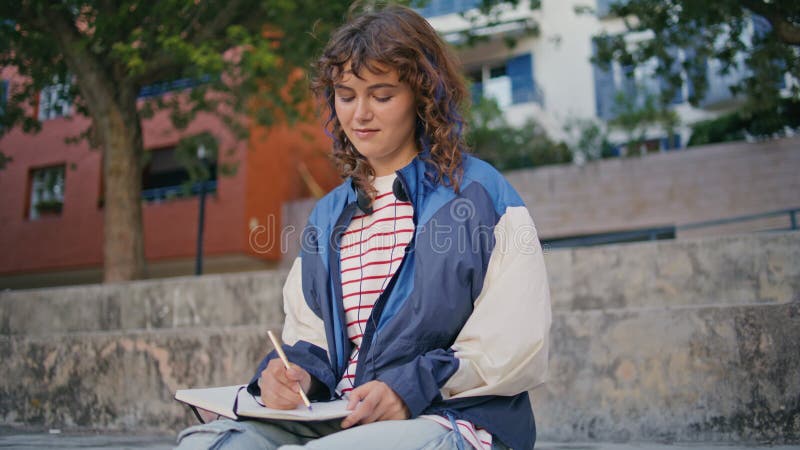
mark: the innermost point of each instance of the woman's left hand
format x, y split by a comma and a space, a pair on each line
373, 402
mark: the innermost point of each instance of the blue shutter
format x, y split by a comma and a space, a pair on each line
603, 7
477, 92
676, 67
603, 89
520, 71
629, 84
443, 7
3, 96
761, 26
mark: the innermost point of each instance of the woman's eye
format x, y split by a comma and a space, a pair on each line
383, 99
346, 99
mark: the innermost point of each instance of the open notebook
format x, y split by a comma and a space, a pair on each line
220, 400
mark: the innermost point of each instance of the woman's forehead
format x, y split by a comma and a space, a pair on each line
369, 71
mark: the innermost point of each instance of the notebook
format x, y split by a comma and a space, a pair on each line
220, 400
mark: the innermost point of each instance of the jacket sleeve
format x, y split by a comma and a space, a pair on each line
503, 347
303, 337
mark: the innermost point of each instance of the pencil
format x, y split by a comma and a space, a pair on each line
282, 355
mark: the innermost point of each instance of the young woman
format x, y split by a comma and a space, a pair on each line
420, 293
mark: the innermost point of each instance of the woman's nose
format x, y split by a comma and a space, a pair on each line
363, 111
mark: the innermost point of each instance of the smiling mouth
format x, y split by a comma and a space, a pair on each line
365, 133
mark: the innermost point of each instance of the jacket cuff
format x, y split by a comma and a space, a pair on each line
418, 382
312, 359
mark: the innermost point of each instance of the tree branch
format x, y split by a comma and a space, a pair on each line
220, 22
786, 31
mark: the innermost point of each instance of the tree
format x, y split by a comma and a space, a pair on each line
240, 56
762, 35
635, 114
587, 139
508, 147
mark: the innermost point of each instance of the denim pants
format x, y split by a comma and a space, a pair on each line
417, 434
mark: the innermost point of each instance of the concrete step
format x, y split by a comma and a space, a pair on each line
730, 270
712, 373
182, 302
724, 373
629, 362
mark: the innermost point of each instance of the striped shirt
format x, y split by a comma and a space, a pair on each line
371, 251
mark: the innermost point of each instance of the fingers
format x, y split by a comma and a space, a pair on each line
277, 389
372, 402
367, 404
297, 374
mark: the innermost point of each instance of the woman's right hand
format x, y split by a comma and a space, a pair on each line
279, 385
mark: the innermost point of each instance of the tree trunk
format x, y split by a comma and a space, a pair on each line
111, 101
123, 246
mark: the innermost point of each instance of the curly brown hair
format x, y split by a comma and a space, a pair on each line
399, 38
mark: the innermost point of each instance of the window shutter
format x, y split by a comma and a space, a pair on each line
3, 97
520, 70
603, 89
44, 103
678, 98
477, 92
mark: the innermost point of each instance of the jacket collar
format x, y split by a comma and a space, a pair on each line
417, 178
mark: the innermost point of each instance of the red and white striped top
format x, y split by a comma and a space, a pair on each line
371, 250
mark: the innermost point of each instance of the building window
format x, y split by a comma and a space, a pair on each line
509, 83
636, 84
436, 8
46, 192
157, 89
3, 98
165, 176
604, 7
53, 101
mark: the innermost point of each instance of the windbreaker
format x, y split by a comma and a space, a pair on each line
462, 327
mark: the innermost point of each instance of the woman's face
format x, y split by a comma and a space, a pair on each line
378, 115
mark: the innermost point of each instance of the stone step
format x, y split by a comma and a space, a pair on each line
664, 341
759, 268
712, 373
182, 302
741, 269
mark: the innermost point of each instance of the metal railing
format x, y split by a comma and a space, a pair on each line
792, 212
179, 191
669, 231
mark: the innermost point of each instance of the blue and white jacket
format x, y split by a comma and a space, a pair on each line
462, 327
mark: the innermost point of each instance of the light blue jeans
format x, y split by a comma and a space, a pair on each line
416, 434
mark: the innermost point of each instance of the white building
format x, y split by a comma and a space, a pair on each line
550, 77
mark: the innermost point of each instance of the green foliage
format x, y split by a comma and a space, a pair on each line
737, 125
720, 30
587, 140
507, 147
635, 114
243, 50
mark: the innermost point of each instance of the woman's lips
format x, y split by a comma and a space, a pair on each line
365, 134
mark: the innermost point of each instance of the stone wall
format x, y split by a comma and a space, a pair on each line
668, 189
672, 340
674, 188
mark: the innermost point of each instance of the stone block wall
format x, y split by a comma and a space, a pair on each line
689, 340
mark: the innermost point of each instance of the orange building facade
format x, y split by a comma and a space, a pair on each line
46, 245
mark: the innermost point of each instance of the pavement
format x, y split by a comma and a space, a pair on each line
18, 439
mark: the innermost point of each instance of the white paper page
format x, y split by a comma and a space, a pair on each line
220, 400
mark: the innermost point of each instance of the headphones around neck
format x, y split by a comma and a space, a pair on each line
365, 203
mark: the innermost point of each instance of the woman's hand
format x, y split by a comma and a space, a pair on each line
279, 385
373, 402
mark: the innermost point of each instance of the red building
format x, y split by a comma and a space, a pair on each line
51, 211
